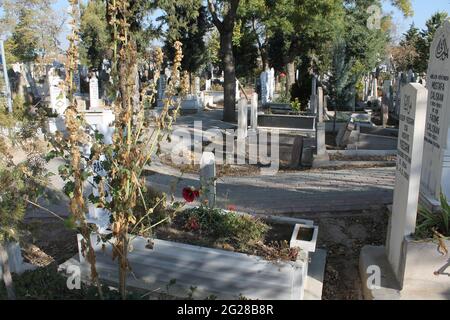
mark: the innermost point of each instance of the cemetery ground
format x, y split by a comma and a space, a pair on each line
51, 243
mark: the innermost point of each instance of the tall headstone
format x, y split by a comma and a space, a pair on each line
271, 84
242, 119
254, 112
93, 92
238, 91
208, 178
162, 87
264, 87
407, 179
320, 106
208, 85
57, 95
436, 159
313, 98
197, 86
375, 88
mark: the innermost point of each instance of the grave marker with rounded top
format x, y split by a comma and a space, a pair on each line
208, 178
436, 159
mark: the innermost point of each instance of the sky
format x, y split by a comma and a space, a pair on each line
423, 9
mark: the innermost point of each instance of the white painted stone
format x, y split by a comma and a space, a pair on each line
436, 160
306, 245
407, 182
208, 177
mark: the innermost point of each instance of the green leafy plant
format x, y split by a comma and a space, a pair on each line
233, 228
435, 225
430, 222
296, 106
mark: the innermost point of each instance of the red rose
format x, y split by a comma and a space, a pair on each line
190, 194
282, 75
192, 224
231, 207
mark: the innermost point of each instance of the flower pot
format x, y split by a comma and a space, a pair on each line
304, 237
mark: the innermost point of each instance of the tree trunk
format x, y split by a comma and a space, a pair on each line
7, 278
290, 76
229, 88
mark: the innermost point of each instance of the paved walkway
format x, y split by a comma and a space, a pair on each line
316, 191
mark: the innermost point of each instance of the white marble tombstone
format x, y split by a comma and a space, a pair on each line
197, 86
271, 84
436, 160
242, 119
208, 178
103, 121
208, 85
58, 101
375, 88
320, 108
93, 93
407, 179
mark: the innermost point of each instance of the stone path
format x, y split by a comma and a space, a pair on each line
316, 191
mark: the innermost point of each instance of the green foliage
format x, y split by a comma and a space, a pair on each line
245, 52
24, 41
12, 205
238, 230
32, 28
429, 222
192, 37
94, 33
296, 106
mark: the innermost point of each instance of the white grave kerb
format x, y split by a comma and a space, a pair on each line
407, 180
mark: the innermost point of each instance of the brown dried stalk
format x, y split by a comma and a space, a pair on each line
76, 134
134, 140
